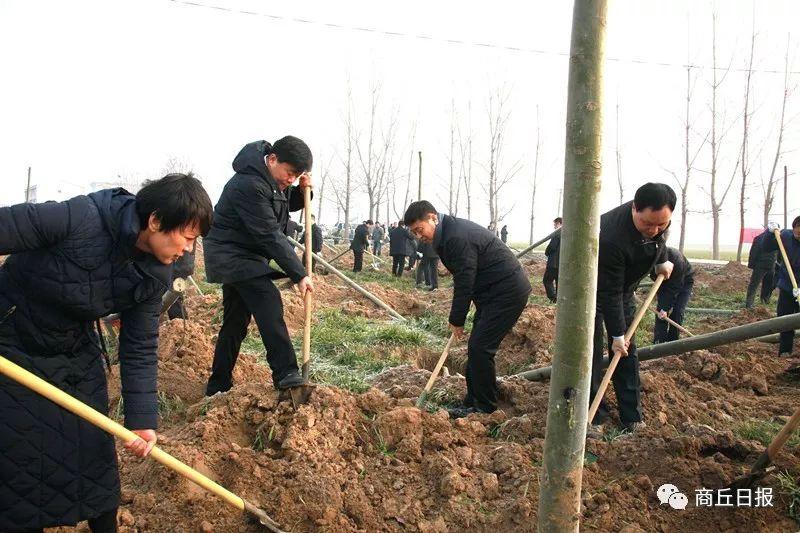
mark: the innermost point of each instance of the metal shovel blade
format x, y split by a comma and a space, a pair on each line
262, 517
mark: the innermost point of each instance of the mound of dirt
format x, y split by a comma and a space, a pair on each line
732, 277
185, 354
340, 463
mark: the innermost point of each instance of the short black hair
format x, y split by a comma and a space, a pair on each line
368, 222
293, 151
176, 200
558, 220
655, 196
400, 223
796, 222
418, 211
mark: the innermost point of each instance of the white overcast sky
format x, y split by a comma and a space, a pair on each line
92, 90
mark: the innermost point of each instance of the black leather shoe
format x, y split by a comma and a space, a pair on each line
462, 411
292, 379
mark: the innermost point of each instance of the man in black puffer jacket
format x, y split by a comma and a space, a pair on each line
248, 232
72, 263
485, 272
399, 243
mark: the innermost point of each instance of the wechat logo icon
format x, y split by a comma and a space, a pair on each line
671, 495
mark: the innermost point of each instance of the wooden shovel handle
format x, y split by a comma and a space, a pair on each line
59, 397
598, 397
786, 262
436, 370
308, 300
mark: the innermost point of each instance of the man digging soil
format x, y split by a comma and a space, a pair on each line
485, 272
247, 233
632, 243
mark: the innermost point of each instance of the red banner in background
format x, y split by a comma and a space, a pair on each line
748, 234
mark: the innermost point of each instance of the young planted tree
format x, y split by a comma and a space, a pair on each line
465, 149
770, 187
745, 164
535, 175
499, 176
560, 478
619, 160
343, 189
716, 142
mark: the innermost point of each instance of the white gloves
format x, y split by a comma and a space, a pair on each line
419, 254
796, 293
772, 226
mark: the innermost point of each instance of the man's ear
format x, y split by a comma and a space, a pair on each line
153, 224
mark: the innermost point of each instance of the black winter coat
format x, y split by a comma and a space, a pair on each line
760, 258
360, 238
625, 257
682, 276
399, 241
792, 246
249, 227
553, 251
71, 263
316, 239
481, 264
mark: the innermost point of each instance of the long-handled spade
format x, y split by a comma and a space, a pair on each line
761, 467
59, 397
301, 393
598, 397
674, 324
435, 374
786, 262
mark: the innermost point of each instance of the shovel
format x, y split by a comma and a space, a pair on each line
598, 397
59, 397
301, 393
762, 465
674, 324
786, 262
435, 374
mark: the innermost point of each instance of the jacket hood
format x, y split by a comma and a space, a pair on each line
117, 208
250, 159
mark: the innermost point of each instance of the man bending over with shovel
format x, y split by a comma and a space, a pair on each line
72, 263
249, 231
485, 272
631, 244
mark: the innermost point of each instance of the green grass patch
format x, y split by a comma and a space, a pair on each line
789, 488
347, 350
170, 407
763, 431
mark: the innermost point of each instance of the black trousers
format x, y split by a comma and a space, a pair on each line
105, 523
764, 276
550, 281
241, 300
663, 332
428, 270
495, 315
398, 264
625, 378
786, 306
358, 259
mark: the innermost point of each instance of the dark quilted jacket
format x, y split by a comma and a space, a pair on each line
770, 244
250, 224
71, 263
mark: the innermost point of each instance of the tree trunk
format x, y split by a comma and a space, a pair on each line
535, 175
561, 475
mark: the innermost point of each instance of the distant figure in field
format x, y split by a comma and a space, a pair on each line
552, 252
787, 294
762, 263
